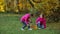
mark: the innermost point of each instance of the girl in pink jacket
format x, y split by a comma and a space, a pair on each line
41, 22
26, 20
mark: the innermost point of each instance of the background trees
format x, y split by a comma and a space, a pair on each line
51, 8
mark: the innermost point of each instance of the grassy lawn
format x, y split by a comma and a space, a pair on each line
10, 24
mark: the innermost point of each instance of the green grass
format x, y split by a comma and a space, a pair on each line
10, 24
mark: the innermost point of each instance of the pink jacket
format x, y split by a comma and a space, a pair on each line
42, 21
25, 18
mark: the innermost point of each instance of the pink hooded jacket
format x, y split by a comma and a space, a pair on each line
25, 18
42, 21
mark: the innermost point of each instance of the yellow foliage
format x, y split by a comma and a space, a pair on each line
20, 5
1, 8
1, 0
44, 4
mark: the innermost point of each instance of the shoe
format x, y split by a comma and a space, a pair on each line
30, 29
22, 29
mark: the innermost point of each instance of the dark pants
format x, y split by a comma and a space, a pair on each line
25, 25
39, 25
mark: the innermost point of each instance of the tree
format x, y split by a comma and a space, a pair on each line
18, 5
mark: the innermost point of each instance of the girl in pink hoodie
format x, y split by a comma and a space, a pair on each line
26, 21
41, 22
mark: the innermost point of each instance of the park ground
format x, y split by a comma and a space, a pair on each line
10, 24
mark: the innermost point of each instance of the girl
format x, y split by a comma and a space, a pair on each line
41, 22
26, 21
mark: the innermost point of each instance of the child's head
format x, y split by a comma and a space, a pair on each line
42, 15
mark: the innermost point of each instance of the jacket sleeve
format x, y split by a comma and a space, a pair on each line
27, 20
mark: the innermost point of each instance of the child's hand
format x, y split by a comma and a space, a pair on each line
31, 22
27, 24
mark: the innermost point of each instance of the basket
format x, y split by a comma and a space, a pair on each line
33, 27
